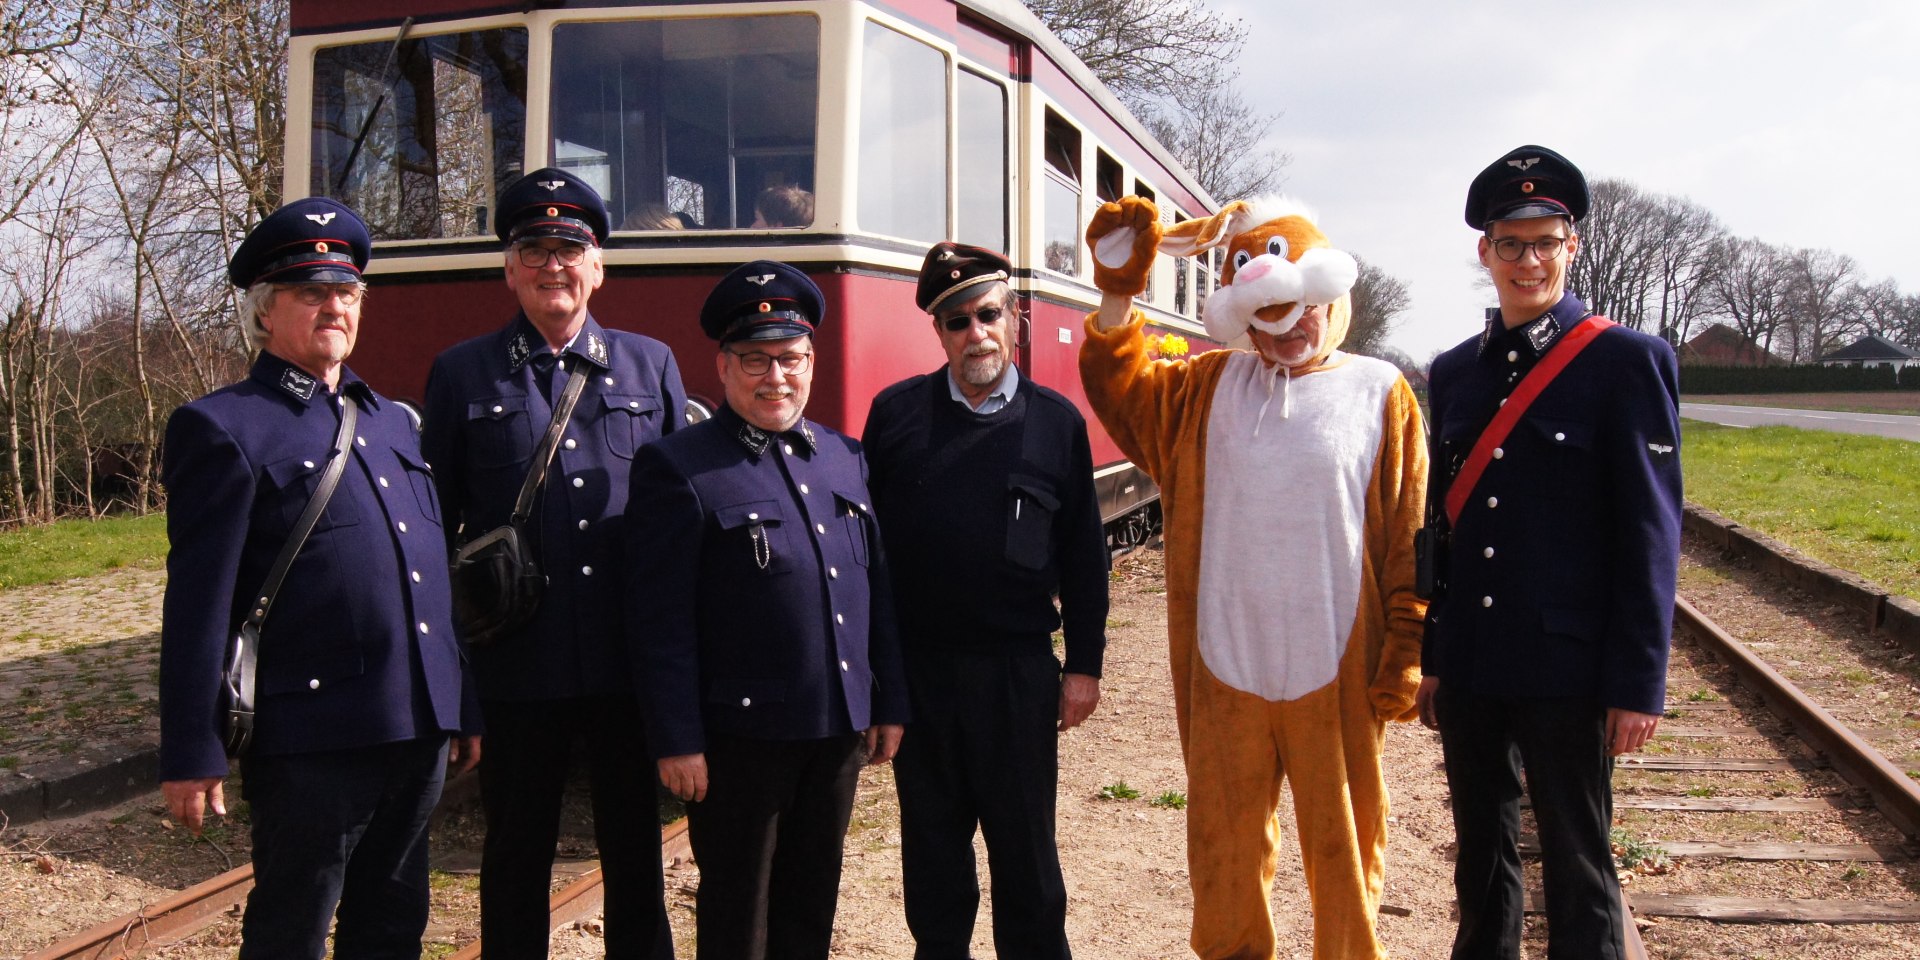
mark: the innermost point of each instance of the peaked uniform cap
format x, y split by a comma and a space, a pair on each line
1530, 181
550, 202
311, 240
951, 268
763, 300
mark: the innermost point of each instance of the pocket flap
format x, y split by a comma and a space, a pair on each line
1035, 489
756, 511
496, 408
1571, 622
634, 403
313, 673
1570, 433
748, 693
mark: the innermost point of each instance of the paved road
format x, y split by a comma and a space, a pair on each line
1876, 424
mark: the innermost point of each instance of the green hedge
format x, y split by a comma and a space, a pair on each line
1802, 379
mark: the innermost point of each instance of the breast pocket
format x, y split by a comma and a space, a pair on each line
1570, 457
1031, 504
629, 420
755, 537
420, 478
290, 484
498, 434
857, 522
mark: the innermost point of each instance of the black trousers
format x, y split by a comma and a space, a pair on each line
1561, 742
768, 839
982, 751
523, 774
345, 828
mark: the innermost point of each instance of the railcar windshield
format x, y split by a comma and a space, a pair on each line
420, 138
691, 123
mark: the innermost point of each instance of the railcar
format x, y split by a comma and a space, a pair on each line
908, 121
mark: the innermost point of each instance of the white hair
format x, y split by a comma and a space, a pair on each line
1268, 208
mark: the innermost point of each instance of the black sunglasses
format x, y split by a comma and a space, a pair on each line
988, 316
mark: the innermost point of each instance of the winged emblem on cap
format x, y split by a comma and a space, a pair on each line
1660, 448
552, 184
761, 280
1523, 165
322, 218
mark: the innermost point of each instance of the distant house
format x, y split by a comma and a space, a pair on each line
1723, 346
1871, 351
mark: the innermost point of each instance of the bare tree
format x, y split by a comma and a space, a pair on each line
1685, 235
1617, 263
1747, 288
1141, 49
1379, 298
1218, 137
1819, 297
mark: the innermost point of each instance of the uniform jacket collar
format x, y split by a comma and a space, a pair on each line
1534, 337
524, 342
757, 440
301, 388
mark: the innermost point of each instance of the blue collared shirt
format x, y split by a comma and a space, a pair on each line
995, 401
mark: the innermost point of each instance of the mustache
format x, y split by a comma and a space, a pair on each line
985, 349
775, 393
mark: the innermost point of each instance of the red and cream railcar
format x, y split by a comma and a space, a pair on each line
908, 121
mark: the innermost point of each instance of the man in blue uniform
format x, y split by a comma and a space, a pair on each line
1548, 647
564, 678
762, 625
360, 677
976, 468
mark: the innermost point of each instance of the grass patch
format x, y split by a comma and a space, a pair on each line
81, 548
1170, 800
1852, 501
1118, 790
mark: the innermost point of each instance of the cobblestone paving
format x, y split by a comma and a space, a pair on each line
79, 666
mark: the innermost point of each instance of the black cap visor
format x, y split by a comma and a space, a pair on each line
778, 325
1529, 209
565, 228
311, 268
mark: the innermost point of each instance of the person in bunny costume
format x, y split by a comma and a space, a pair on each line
1293, 478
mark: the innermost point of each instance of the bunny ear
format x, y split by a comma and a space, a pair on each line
1188, 237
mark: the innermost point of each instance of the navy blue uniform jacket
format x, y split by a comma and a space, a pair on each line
485, 417
359, 649
1563, 563
758, 597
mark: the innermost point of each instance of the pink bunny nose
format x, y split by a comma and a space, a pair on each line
1255, 269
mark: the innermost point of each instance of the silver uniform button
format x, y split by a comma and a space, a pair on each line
313, 684
499, 409
586, 571
1492, 502
383, 481
819, 528
423, 626
416, 576
1513, 356
402, 525
570, 444
1488, 553
1560, 436
360, 440
583, 524
1499, 453
803, 488
839, 618
1503, 401
788, 447
833, 573
635, 404
608, 380
578, 483
746, 701
1486, 601
753, 516
308, 464
843, 666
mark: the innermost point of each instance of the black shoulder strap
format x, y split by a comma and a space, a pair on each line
543, 457
246, 652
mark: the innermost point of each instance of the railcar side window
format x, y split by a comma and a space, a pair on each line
686, 123
903, 136
421, 142
1061, 196
983, 162
1182, 273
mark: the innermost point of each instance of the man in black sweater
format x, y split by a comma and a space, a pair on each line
983, 484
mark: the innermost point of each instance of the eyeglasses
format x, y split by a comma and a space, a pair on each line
315, 294
988, 316
756, 364
1546, 248
535, 256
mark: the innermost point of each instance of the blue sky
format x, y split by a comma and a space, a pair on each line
1793, 122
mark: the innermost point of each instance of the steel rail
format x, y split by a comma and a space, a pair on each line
196, 908
1893, 792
